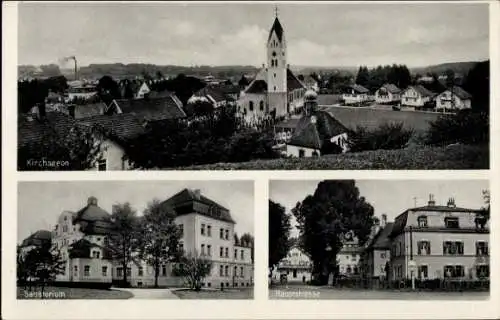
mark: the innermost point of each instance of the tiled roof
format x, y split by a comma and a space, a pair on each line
89, 110
289, 123
312, 135
461, 93
82, 248
423, 91
38, 238
153, 108
214, 92
382, 240
260, 85
257, 86
359, 88
292, 82
188, 197
391, 88
122, 126
276, 28
30, 132
93, 220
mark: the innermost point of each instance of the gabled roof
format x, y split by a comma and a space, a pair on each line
313, 135
38, 238
382, 240
277, 28
292, 82
93, 220
359, 88
422, 91
260, 85
257, 86
391, 88
34, 131
187, 197
89, 110
119, 127
82, 248
213, 92
153, 108
461, 93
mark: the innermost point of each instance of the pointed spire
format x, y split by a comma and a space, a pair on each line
276, 11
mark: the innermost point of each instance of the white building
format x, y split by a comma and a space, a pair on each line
415, 97
348, 259
453, 99
296, 267
355, 94
388, 94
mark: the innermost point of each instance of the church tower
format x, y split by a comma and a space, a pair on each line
277, 69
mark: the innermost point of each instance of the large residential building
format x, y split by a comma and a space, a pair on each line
207, 230
442, 241
355, 94
275, 91
416, 97
375, 259
453, 99
388, 94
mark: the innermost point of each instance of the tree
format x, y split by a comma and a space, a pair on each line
236, 239
108, 89
123, 239
159, 75
483, 216
477, 83
194, 268
465, 127
247, 240
279, 233
363, 76
325, 217
159, 237
243, 82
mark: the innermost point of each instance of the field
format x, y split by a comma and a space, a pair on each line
417, 158
352, 117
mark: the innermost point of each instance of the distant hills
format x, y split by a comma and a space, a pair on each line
120, 70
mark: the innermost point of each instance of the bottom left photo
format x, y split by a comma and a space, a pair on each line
135, 239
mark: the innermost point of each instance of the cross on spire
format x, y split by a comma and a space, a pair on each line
276, 11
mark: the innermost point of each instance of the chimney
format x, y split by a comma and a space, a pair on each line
451, 203
431, 202
197, 194
92, 201
383, 221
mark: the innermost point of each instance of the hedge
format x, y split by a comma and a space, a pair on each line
416, 157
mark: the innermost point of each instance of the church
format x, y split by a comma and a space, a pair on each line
275, 91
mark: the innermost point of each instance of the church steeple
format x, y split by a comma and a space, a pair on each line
276, 57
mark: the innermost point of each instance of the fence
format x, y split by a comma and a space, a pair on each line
429, 284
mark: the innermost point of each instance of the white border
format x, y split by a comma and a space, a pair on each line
260, 307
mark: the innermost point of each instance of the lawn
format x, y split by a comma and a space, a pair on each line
72, 293
215, 294
351, 117
417, 158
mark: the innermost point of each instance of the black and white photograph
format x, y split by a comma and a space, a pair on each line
379, 239
135, 240
252, 86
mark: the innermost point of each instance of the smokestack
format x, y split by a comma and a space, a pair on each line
92, 201
431, 202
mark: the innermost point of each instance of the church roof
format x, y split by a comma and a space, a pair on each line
260, 86
292, 82
276, 28
257, 86
311, 134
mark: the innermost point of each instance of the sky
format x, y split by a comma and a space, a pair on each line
391, 197
40, 203
320, 34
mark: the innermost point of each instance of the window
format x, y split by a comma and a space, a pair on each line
274, 88
202, 249
129, 272
302, 153
98, 239
451, 223
261, 105
209, 231
454, 271
275, 75
453, 248
101, 165
221, 233
163, 270
96, 254
348, 269
242, 274
250, 106
86, 271
422, 221
209, 250
227, 234
353, 257
242, 254
227, 271
65, 228
227, 252
181, 230
181, 246
483, 271
104, 271
235, 254
481, 248
423, 272
119, 272
424, 248
140, 271
221, 271
202, 229
382, 255
221, 252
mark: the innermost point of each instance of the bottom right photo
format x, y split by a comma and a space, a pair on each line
379, 239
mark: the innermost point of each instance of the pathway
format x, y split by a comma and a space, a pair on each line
150, 293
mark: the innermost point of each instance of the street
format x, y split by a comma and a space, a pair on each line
312, 292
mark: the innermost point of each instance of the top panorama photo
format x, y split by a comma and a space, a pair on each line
253, 86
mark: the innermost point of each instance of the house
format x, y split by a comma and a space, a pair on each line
443, 241
81, 92
453, 99
214, 95
166, 106
348, 259
355, 94
316, 132
119, 130
388, 94
275, 91
376, 254
416, 97
310, 83
296, 267
142, 91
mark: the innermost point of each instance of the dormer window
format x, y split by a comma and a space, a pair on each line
451, 222
422, 221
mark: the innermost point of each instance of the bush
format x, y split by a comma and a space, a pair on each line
467, 127
388, 136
